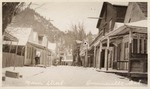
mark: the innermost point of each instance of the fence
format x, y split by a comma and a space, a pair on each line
10, 58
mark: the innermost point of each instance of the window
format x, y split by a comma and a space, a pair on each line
6, 48
145, 46
139, 46
110, 25
126, 51
40, 38
135, 45
13, 49
119, 51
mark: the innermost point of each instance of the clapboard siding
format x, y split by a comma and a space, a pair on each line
9, 59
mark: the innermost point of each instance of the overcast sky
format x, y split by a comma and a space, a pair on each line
64, 14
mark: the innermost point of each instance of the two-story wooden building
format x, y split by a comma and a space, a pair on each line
30, 44
109, 16
122, 41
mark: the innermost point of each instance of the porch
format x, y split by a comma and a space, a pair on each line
123, 51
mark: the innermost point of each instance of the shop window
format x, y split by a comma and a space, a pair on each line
13, 49
6, 48
21, 50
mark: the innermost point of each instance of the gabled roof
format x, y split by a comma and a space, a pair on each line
120, 9
102, 12
22, 34
143, 7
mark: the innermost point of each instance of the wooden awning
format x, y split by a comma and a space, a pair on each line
134, 26
37, 45
138, 26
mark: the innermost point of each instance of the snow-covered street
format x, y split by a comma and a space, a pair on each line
65, 76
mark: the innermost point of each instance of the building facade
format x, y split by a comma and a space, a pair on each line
121, 44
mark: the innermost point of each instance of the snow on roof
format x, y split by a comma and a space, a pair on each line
52, 46
141, 23
117, 25
22, 34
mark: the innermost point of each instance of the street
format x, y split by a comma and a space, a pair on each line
65, 76
98, 43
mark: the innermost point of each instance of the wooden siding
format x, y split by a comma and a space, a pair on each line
9, 59
134, 13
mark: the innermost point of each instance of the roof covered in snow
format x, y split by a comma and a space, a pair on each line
117, 25
141, 23
22, 34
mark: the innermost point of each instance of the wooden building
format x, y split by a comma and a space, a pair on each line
86, 55
10, 58
31, 44
109, 16
122, 41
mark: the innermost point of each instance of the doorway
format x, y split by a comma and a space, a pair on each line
103, 58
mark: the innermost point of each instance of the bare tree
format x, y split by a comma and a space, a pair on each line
76, 32
9, 10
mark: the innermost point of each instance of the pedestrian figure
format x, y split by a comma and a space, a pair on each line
37, 60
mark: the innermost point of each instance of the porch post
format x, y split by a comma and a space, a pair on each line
25, 55
100, 50
107, 53
130, 51
86, 58
8, 63
16, 56
94, 61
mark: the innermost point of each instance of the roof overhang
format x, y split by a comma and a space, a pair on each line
139, 27
9, 37
37, 45
140, 24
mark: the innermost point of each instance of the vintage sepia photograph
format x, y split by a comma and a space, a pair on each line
75, 44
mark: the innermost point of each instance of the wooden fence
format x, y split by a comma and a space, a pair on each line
10, 58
